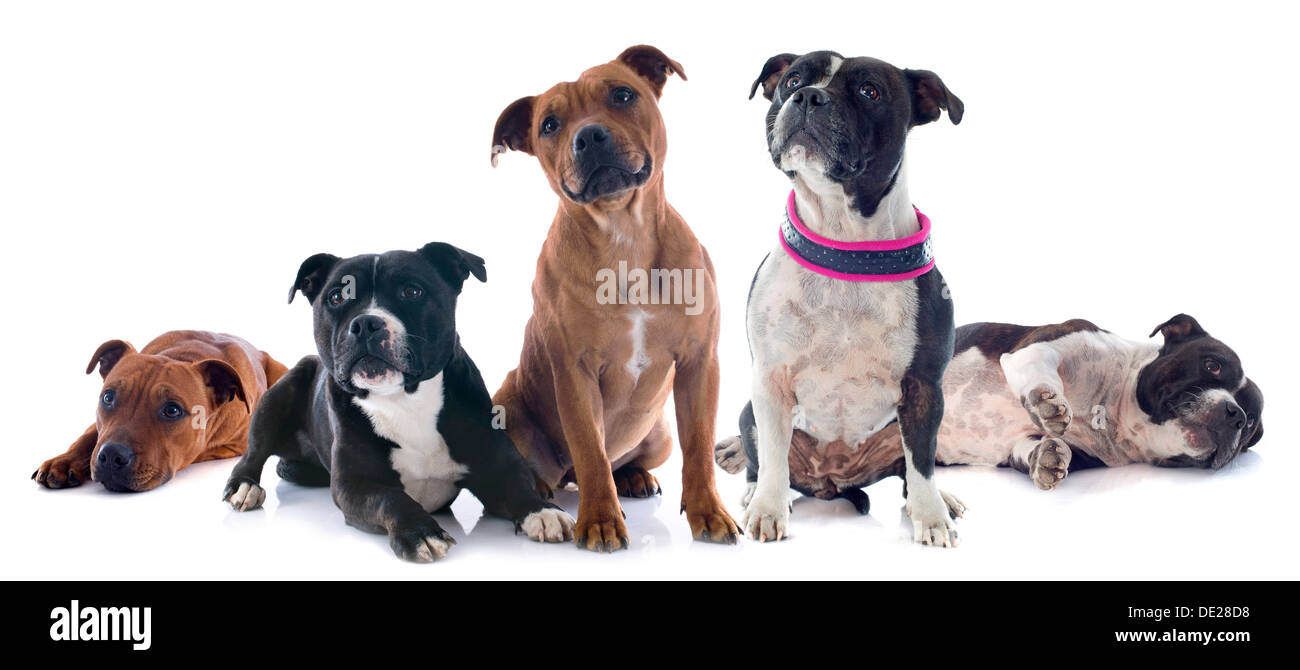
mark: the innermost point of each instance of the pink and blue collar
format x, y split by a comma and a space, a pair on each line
877, 261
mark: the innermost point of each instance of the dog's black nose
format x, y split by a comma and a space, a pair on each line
590, 138
1235, 417
810, 97
115, 458
366, 324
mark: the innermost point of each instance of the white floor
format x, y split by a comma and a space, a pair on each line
1135, 522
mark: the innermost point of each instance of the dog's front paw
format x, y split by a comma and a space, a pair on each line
1050, 409
767, 517
709, 519
1049, 462
62, 471
729, 454
422, 541
243, 495
931, 520
548, 525
600, 527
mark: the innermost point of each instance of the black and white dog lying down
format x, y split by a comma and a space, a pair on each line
392, 414
1045, 400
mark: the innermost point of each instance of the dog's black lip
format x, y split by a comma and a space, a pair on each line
343, 375
812, 141
639, 178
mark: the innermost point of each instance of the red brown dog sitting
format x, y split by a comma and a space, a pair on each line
185, 398
586, 403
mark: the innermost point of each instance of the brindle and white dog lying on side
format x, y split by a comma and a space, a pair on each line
1048, 399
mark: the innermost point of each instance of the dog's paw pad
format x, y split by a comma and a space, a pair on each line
548, 525
1050, 408
730, 454
1049, 463
247, 497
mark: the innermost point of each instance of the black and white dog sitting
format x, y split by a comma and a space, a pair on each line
850, 326
392, 415
1046, 400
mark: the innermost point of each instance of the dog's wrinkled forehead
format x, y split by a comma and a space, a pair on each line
830, 71
381, 278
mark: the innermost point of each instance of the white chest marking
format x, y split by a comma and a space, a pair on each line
639, 360
410, 420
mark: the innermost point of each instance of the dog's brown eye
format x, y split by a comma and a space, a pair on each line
869, 92
335, 297
1213, 366
107, 397
622, 96
550, 125
172, 410
793, 81
411, 292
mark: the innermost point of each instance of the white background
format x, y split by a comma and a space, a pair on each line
167, 165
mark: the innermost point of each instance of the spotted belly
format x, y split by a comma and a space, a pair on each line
826, 469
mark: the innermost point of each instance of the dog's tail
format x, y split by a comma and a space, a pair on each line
730, 454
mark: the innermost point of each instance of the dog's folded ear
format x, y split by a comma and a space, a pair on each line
929, 95
312, 275
455, 264
223, 380
514, 127
652, 65
1179, 328
108, 355
771, 74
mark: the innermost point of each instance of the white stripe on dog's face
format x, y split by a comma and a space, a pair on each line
825, 81
798, 158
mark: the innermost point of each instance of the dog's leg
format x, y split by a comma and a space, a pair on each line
72, 467
737, 452
531, 442
1044, 458
695, 394
600, 518
498, 476
220, 451
271, 432
502, 480
413, 533
1032, 374
919, 415
768, 512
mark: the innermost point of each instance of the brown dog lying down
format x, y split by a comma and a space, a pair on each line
1048, 399
587, 400
161, 409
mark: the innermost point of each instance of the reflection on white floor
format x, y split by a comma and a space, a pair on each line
1135, 522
